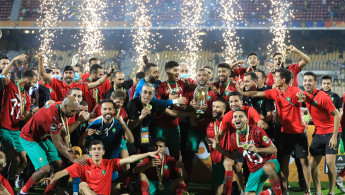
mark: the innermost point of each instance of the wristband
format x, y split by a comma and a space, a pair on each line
175, 101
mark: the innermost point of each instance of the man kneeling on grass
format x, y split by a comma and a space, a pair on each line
96, 175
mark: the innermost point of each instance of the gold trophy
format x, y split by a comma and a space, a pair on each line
200, 96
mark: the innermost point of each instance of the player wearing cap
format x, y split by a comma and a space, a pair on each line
293, 137
62, 87
96, 175
327, 133
259, 151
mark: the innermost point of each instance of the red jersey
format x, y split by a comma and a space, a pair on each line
45, 121
211, 130
123, 113
163, 91
211, 96
52, 92
252, 115
4, 182
61, 88
71, 120
11, 106
288, 109
94, 96
169, 168
221, 93
97, 177
320, 106
240, 72
259, 138
132, 91
106, 86
294, 68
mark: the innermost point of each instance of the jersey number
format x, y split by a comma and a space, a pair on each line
14, 105
245, 153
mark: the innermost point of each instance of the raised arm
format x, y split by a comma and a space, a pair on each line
8, 68
44, 75
128, 134
256, 94
137, 157
100, 81
305, 59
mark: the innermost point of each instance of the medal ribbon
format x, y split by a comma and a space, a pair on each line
160, 173
64, 121
170, 89
229, 82
21, 100
106, 130
118, 112
238, 138
95, 92
216, 129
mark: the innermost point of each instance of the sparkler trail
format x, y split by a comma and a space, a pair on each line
280, 14
231, 13
191, 19
141, 36
49, 18
91, 14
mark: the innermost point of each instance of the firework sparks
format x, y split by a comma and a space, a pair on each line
49, 19
231, 13
191, 19
141, 36
91, 14
280, 12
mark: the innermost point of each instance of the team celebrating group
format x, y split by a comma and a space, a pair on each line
108, 133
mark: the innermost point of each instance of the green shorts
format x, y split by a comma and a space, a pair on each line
153, 187
40, 153
172, 135
257, 179
218, 173
193, 140
124, 144
10, 140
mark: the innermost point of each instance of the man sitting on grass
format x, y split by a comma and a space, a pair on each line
96, 175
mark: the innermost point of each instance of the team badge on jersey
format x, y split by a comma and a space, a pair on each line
208, 98
265, 139
103, 172
332, 98
166, 167
288, 98
53, 127
315, 102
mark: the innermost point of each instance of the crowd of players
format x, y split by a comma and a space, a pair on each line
102, 130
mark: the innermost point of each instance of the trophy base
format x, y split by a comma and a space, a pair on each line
200, 112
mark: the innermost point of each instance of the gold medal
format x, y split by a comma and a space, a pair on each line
148, 106
245, 146
161, 187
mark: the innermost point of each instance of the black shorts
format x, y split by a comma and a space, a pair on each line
239, 157
320, 144
293, 144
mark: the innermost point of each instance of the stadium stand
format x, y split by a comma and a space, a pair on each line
5, 9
